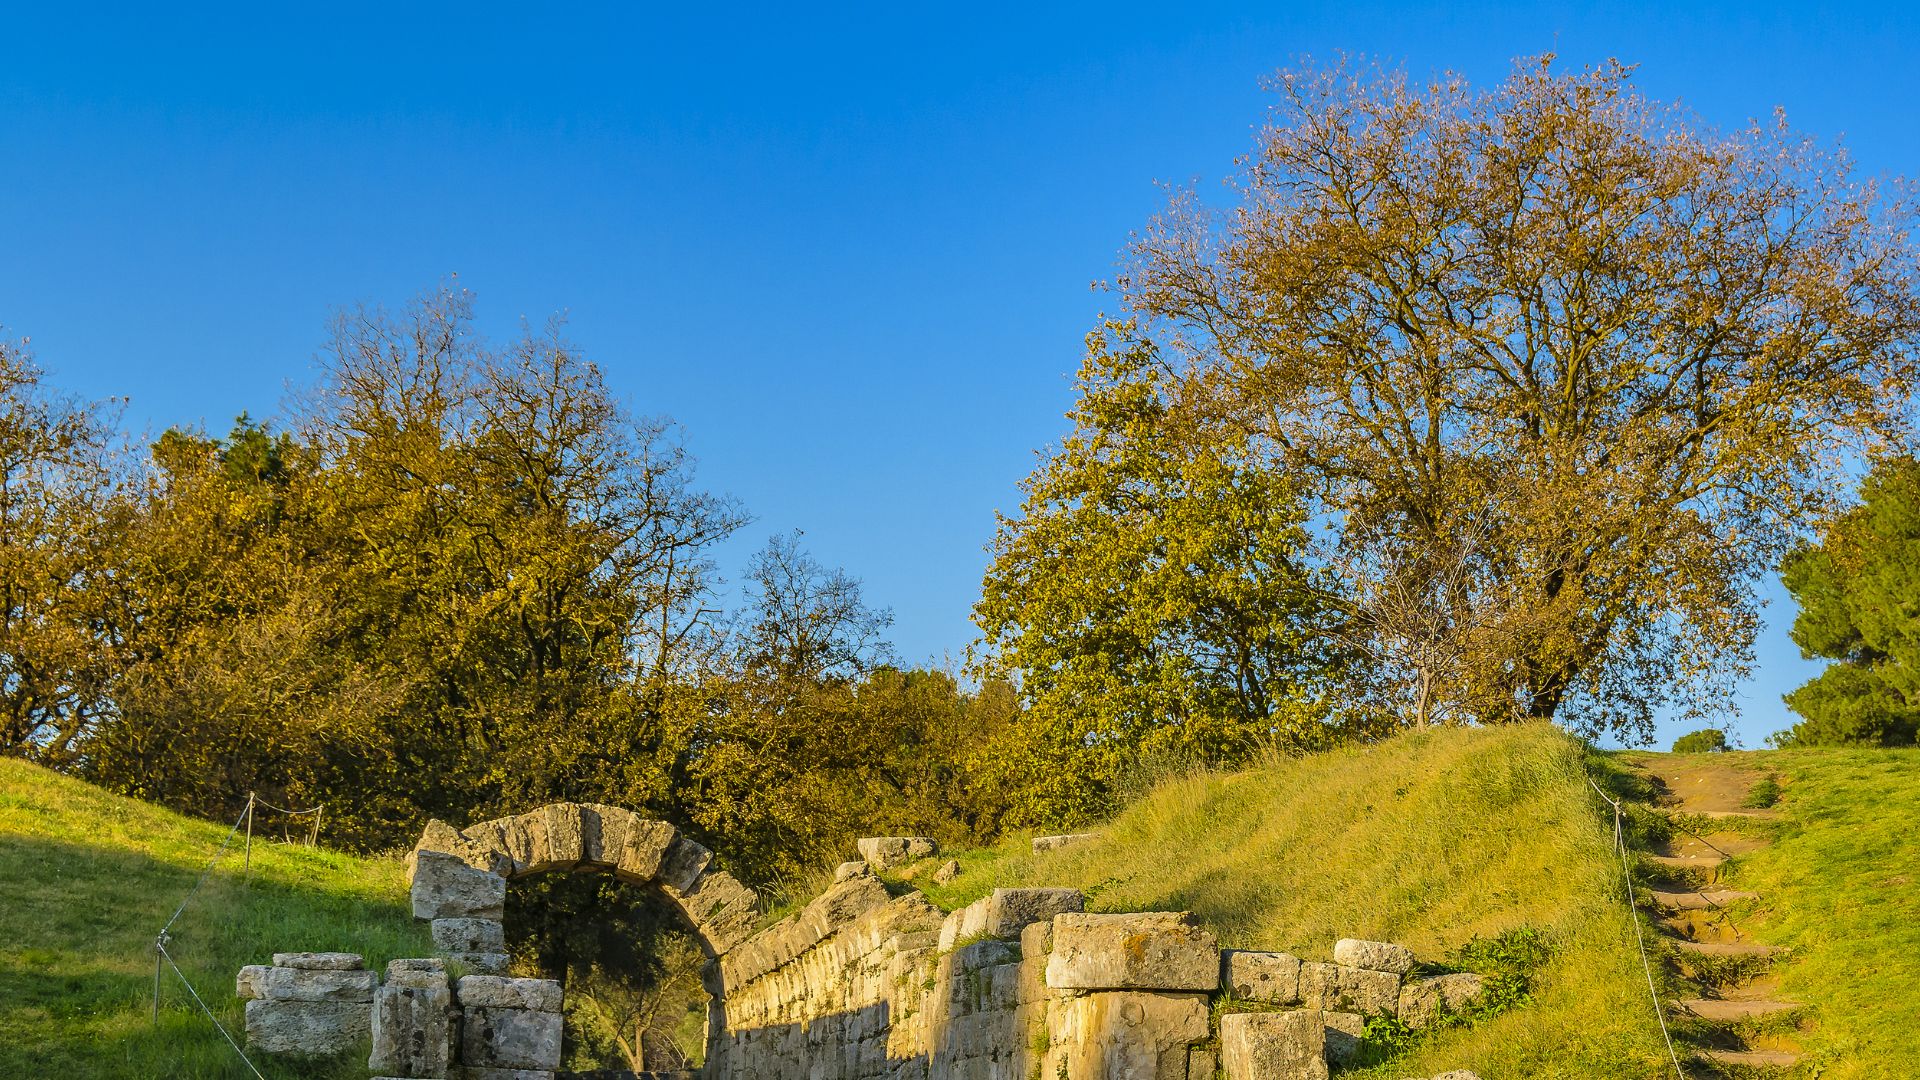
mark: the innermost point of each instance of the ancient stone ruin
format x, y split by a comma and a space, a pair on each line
861, 984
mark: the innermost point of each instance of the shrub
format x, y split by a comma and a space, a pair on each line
1706, 740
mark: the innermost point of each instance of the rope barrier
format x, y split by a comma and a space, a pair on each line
161, 947
1633, 913
164, 959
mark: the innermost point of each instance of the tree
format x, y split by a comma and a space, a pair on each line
1150, 597
57, 472
1630, 356
1704, 741
1859, 596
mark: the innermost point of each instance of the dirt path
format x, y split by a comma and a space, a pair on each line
1732, 1016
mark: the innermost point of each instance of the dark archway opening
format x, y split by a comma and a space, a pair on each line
630, 963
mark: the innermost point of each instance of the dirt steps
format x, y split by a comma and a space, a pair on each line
1710, 900
1709, 946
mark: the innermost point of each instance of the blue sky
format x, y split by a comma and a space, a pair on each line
850, 251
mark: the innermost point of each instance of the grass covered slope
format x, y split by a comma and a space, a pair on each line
86, 881
1430, 840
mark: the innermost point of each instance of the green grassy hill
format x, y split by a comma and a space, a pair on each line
88, 878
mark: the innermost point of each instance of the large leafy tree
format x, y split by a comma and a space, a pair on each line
1573, 368
1859, 595
1150, 596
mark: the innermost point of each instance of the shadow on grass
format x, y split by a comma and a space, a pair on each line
77, 929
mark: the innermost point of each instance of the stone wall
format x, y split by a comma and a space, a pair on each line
862, 984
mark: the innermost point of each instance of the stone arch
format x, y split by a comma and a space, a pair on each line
458, 879
596, 838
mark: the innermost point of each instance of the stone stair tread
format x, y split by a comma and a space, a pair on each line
1688, 862
1718, 815
1777, 1058
1727, 948
1696, 901
1718, 1009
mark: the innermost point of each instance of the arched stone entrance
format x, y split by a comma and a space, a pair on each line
459, 877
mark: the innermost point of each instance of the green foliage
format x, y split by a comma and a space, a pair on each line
1859, 596
1509, 962
1706, 740
1764, 793
1149, 598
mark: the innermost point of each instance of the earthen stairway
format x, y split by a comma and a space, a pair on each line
1740, 1025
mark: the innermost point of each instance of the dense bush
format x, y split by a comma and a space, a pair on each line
1706, 740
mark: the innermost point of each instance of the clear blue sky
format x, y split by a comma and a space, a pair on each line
848, 248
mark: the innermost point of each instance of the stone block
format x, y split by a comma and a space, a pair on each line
1422, 1001
312, 984
947, 872
603, 834
1373, 955
469, 936
847, 871
1130, 1034
1344, 989
1345, 1031
484, 963
246, 984
509, 1038
320, 961
1274, 1045
889, 851
444, 887
1271, 977
1010, 911
413, 1029
645, 846
1055, 843
1201, 1063
422, 973
1036, 941
497, 992
682, 865
307, 1028
1151, 950
472, 1073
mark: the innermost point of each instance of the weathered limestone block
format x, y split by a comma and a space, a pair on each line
1274, 1046
1151, 950
444, 887
469, 936
682, 865
1422, 1001
1272, 977
307, 1028
1373, 955
846, 871
724, 910
246, 985
1344, 1032
645, 846
1345, 989
484, 963
884, 852
1054, 843
603, 834
566, 833
1139, 1036
474, 1073
419, 971
320, 961
497, 992
307, 984
413, 1025
1202, 1063
948, 871
1010, 911
1036, 941
509, 1038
